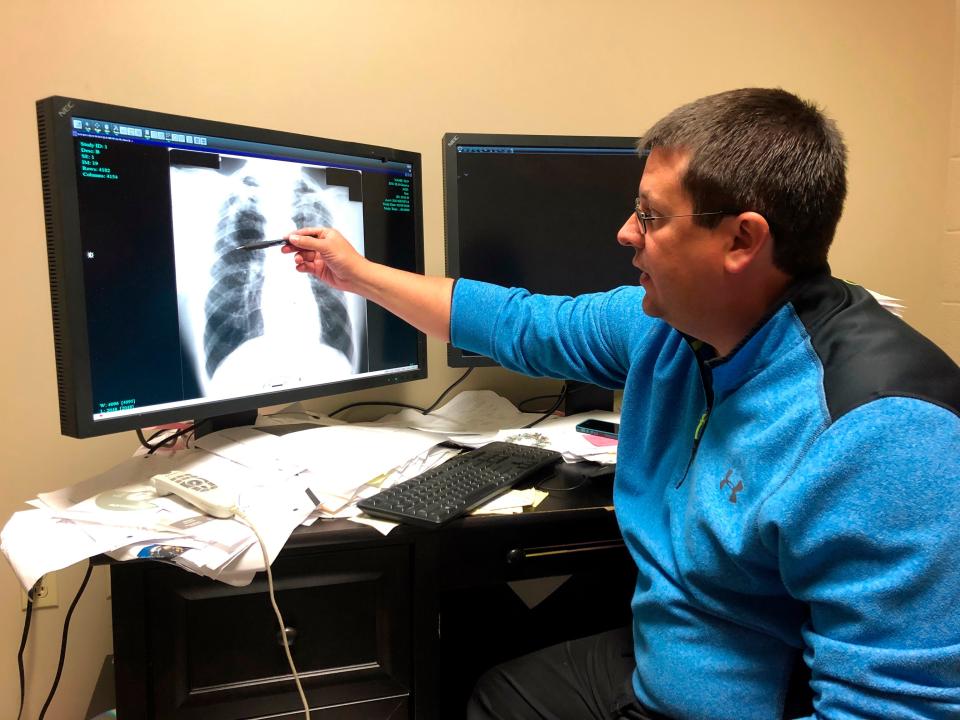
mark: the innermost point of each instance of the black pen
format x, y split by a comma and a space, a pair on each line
262, 244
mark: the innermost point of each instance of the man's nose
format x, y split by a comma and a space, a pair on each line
629, 234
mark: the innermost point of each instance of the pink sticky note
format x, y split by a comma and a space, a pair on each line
599, 440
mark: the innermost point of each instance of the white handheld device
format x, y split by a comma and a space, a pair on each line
203, 494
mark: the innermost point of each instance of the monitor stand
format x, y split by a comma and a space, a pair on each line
583, 397
221, 422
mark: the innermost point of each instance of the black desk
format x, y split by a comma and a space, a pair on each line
381, 627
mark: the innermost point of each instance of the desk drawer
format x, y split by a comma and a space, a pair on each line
493, 550
385, 708
508, 586
215, 651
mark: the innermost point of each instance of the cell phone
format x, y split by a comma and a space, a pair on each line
599, 427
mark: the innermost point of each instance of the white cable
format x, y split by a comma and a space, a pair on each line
273, 601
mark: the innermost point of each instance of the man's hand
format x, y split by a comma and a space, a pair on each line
328, 255
422, 301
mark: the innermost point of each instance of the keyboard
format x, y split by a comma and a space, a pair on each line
460, 485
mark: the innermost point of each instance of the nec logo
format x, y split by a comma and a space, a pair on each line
66, 108
734, 489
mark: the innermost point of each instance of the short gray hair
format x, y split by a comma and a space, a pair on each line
767, 151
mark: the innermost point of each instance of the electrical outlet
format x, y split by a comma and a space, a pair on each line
44, 593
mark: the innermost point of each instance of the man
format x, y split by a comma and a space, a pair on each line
787, 480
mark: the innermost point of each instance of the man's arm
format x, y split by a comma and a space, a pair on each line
536, 335
422, 301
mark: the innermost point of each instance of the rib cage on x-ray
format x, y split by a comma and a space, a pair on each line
335, 330
232, 307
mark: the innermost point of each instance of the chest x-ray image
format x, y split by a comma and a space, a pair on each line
249, 322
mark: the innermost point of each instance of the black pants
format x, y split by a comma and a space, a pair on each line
575, 680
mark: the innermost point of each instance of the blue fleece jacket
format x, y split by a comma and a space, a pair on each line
802, 493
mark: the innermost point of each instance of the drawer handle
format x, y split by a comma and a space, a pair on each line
291, 634
517, 555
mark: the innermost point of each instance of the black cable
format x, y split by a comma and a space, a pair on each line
172, 439
544, 486
444, 393
166, 442
384, 404
63, 642
424, 411
535, 397
157, 433
142, 439
23, 645
552, 410
567, 392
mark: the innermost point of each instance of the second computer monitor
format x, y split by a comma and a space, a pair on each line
539, 212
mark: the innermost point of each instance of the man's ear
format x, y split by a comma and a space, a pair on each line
750, 243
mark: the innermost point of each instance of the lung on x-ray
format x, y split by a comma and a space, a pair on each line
245, 310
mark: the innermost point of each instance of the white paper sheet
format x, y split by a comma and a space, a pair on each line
894, 305
471, 412
346, 457
63, 543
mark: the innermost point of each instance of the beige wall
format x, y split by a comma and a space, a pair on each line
949, 270
403, 73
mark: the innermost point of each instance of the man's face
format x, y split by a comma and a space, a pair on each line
680, 262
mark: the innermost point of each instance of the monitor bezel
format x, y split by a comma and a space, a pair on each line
62, 222
457, 358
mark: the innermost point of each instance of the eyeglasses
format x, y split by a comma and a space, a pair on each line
643, 218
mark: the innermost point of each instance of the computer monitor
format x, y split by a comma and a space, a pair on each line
160, 315
540, 212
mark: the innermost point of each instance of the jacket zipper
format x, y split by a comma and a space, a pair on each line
705, 379
698, 433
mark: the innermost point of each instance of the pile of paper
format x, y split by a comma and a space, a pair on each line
292, 468
476, 417
280, 481
120, 514
560, 434
468, 413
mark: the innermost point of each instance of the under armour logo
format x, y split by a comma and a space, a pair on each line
734, 489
